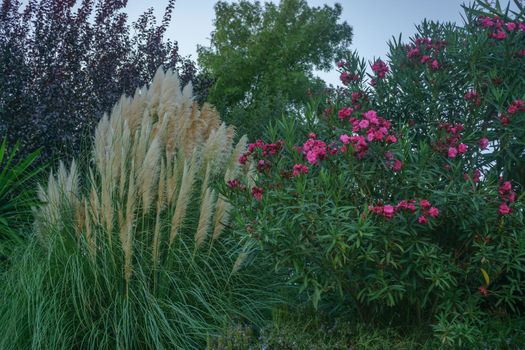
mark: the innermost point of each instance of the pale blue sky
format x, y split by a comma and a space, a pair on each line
374, 21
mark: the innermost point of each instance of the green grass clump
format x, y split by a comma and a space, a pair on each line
133, 251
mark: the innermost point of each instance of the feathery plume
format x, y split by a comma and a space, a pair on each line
206, 213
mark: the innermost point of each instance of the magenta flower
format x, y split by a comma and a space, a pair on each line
422, 220
433, 212
483, 143
511, 26
462, 148
257, 193
233, 183
504, 209
391, 139
434, 65
344, 112
398, 165
345, 139
363, 124
483, 291
452, 152
299, 169
425, 204
388, 211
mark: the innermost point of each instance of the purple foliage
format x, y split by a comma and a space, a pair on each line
64, 63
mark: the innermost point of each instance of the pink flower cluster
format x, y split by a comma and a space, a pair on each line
348, 78
388, 211
424, 51
380, 69
391, 163
499, 28
516, 106
314, 150
370, 124
235, 183
257, 193
507, 195
299, 169
473, 96
450, 143
267, 150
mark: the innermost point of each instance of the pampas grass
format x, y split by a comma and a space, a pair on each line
120, 262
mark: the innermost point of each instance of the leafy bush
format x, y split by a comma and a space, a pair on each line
16, 194
130, 251
63, 64
402, 201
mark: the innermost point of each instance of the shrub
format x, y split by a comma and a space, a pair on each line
387, 204
130, 251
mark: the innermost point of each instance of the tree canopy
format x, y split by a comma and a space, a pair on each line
262, 57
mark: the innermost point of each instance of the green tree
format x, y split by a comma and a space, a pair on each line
262, 57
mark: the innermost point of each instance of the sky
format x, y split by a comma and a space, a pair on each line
374, 22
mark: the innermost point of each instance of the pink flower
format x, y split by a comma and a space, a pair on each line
299, 169
511, 26
391, 139
425, 59
243, 158
363, 124
434, 65
345, 139
233, 183
398, 165
344, 78
311, 157
462, 148
499, 35
517, 105
422, 220
504, 209
425, 204
257, 193
340, 64
504, 119
344, 112
483, 291
486, 22
433, 212
505, 187
483, 143
312, 135
452, 152
476, 176
413, 52
388, 211
380, 68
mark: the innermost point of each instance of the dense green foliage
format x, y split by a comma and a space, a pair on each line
17, 194
402, 199
261, 58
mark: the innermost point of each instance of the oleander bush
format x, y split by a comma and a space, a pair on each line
131, 249
400, 200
